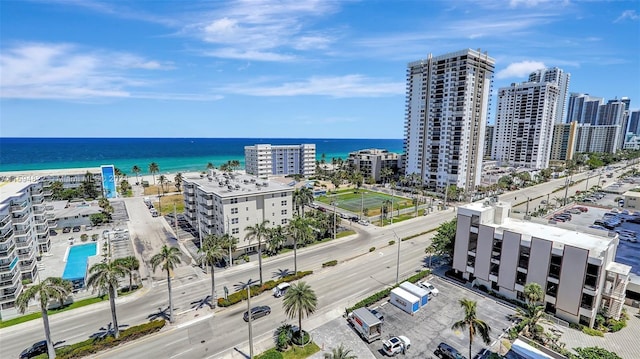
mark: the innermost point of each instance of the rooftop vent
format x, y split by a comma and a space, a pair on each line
237, 186
230, 187
266, 184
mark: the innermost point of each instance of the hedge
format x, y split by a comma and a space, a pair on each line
592, 332
241, 295
92, 346
330, 263
376, 297
270, 354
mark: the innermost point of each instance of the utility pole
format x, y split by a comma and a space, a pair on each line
362, 207
334, 218
398, 258
175, 221
392, 198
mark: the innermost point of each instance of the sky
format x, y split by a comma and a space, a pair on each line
283, 69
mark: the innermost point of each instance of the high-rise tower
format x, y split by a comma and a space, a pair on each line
446, 114
561, 79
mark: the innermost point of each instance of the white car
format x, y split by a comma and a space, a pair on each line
430, 288
396, 345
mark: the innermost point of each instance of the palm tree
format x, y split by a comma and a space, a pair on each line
212, 252
300, 230
235, 164
471, 321
258, 232
105, 276
533, 293
162, 179
178, 180
210, 166
430, 250
153, 169
131, 264
229, 243
342, 353
167, 259
301, 197
530, 316
137, 171
276, 239
300, 300
50, 288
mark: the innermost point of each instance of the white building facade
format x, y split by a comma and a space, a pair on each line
446, 114
524, 124
265, 160
576, 269
561, 79
370, 162
227, 203
24, 235
599, 138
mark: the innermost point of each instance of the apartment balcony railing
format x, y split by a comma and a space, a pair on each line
5, 221
8, 280
26, 258
19, 207
7, 251
23, 244
21, 232
48, 207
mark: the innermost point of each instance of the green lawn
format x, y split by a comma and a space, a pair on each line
293, 353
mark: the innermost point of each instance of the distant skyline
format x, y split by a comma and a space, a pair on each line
285, 69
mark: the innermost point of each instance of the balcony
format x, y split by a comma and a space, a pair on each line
21, 232
19, 208
9, 280
26, 258
6, 220
23, 244
8, 250
20, 219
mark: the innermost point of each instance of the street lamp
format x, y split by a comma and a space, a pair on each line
334, 218
247, 285
398, 258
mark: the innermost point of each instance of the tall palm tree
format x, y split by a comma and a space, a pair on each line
533, 293
530, 315
178, 180
235, 164
229, 243
137, 171
50, 288
430, 251
153, 169
211, 253
105, 276
168, 258
258, 232
342, 353
300, 300
210, 166
301, 197
300, 230
131, 264
276, 239
162, 179
471, 321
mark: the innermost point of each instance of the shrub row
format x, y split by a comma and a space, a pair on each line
376, 297
241, 295
330, 263
92, 346
592, 332
270, 354
372, 249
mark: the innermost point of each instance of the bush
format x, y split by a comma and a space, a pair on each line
330, 263
84, 237
372, 249
392, 243
616, 325
91, 346
94, 237
592, 332
270, 354
241, 295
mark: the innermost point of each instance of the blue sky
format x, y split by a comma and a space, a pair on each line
290, 68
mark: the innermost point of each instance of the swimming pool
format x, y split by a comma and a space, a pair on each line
76, 268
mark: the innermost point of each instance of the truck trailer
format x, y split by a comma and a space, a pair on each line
366, 324
421, 293
404, 300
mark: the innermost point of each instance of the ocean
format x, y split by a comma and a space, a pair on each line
171, 154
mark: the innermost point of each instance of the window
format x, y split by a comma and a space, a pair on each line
471, 261
283, 212
283, 194
233, 201
496, 251
234, 221
521, 278
473, 241
554, 266
234, 211
587, 301
284, 221
283, 203
552, 289
591, 277
523, 261
235, 230
475, 221
520, 296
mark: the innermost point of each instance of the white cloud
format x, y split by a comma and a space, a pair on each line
331, 86
519, 69
628, 14
250, 29
65, 71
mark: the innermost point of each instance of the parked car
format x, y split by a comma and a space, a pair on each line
34, 350
583, 208
88, 228
66, 230
430, 288
446, 351
396, 345
257, 312
76, 228
595, 226
558, 219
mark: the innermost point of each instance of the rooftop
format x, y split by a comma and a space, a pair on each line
233, 184
9, 189
36, 174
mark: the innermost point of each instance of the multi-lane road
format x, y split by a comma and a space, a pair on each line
204, 333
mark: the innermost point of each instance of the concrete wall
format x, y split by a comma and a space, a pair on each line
483, 254
539, 258
462, 243
574, 266
509, 260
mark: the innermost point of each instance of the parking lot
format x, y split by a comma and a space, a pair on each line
431, 325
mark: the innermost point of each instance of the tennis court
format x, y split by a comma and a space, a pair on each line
354, 202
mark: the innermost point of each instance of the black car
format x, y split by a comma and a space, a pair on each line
446, 351
257, 312
76, 228
66, 230
34, 350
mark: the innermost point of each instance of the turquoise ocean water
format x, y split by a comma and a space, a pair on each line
171, 154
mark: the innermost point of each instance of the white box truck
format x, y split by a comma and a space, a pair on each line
421, 293
404, 300
366, 324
